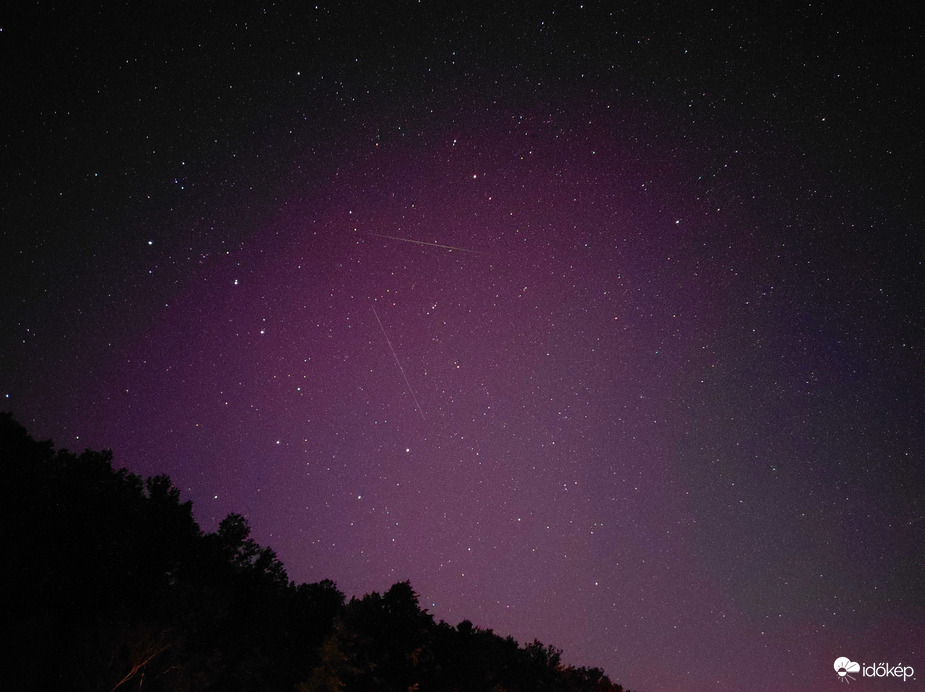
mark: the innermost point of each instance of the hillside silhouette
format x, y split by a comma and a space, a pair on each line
112, 585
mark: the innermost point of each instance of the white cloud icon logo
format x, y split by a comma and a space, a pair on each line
843, 666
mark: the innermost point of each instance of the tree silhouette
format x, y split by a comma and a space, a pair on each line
113, 586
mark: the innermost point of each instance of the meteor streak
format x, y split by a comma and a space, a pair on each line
398, 362
421, 242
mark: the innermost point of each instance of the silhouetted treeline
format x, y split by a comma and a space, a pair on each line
111, 585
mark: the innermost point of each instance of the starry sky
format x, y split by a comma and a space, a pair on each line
601, 326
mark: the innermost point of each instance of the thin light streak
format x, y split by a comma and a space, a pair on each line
398, 362
421, 242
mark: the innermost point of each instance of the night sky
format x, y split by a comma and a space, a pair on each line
602, 327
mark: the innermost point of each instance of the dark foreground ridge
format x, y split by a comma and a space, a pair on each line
111, 585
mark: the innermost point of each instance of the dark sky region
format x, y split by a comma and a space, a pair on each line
603, 324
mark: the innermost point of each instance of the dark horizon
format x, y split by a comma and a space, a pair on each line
112, 573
